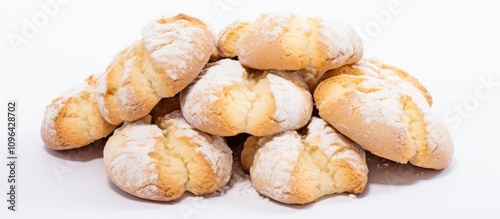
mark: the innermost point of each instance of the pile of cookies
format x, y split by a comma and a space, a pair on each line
169, 102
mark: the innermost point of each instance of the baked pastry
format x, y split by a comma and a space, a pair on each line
288, 42
386, 111
73, 120
170, 55
160, 162
227, 100
296, 168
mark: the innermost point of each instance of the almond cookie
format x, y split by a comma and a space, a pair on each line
296, 168
160, 162
288, 42
228, 99
170, 55
73, 120
385, 111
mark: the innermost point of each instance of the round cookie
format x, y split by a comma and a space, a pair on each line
73, 120
300, 167
228, 99
161, 162
170, 55
288, 42
386, 112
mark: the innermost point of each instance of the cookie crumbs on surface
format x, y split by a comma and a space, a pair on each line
240, 184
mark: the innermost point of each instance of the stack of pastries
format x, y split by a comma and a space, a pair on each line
168, 102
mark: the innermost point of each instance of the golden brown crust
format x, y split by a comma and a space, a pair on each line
227, 100
300, 168
161, 162
73, 120
229, 36
372, 67
288, 42
170, 55
386, 111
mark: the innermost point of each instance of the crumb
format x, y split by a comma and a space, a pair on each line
352, 196
386, 164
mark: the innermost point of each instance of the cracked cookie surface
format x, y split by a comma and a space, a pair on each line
73, 120
162, 161
300, 167
386, 111
169, 56
289, 42
228, 99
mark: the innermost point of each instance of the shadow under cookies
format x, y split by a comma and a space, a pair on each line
386, 172
86, 153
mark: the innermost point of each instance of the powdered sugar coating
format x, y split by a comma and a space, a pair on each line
52, 111
212, 147
127, 69
334, 144
131, 167
395, 100
439, 141
279, 21
174, 42
240, 184
398, 87
101, 90
271, 164
339, 40
289, 101
211, 81
210, 95
380, 104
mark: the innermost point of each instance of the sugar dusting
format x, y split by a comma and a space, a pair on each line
212, 80
213, 147
289, 101
102, 87
381, 106
131, 166
127, 69
174, 43
240, 184
335, 145
279, 21
53, 110
276, 167
385, 103
338, 39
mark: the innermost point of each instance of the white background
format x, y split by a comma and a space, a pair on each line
450, 46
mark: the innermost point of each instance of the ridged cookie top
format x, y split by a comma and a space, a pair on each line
161, 162
73, 120
49, 130
298, 168
334, 144
227, 100
386, 111
170, 55
130, 166
212, 147
276, 166
174, 43
288, 42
